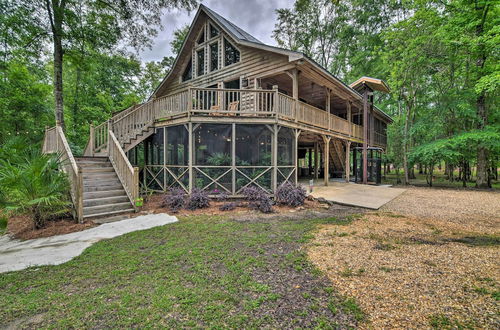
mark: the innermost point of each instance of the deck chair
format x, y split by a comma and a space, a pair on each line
233, 106
215, 108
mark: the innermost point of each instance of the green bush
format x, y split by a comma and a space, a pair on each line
32, 184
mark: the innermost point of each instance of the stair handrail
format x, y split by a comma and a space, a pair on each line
128, 175
55, 142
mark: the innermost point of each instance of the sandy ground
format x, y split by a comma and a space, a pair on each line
429, 258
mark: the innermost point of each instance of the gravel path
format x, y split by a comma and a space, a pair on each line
429, 258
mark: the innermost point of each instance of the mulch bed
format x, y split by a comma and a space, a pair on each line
154, 205
427, 259
21, 227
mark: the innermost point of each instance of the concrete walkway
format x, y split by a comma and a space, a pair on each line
17, 255
370, 197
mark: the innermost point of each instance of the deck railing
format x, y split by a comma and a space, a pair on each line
128, 175
55, 142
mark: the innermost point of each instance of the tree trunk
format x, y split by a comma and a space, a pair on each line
405, 150
55, 11
464, 174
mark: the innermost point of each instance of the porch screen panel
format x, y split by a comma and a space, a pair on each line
286, 155
253, 157
176, 165
213, 157
154, 171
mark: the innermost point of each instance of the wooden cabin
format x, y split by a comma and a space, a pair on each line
235, 112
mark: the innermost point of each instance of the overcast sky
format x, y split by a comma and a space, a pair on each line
256, 17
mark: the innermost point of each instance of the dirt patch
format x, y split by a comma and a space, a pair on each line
21, 227
424, 261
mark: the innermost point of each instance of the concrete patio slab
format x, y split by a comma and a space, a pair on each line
17, 255
370, 197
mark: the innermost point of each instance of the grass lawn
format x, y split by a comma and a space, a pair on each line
200, 272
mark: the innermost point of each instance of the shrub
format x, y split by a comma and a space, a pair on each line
175, 200
229, 206
198, 200
288, 194
258, 199
35, 186
219, 195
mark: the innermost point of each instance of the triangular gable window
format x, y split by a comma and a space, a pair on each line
231, 54
188, 71
213, 32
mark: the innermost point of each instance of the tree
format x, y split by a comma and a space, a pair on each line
129, 22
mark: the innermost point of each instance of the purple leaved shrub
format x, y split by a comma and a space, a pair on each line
198, 200
219, 195
258, 199
174, 200
288, 194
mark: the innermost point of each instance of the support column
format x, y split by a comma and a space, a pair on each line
365, 136
326, 158
296, 155
316, 161
274, 157
233, 158
310, 165
347, 161
349, 117
190, 156
327, 106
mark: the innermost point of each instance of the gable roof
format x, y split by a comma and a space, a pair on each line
244, 38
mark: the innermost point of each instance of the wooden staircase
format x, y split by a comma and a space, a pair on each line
103, 192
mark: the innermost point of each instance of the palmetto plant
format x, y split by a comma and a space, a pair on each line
34, 186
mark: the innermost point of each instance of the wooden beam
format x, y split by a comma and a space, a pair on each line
190, 156
347, 161
365, 136
316, 161
326, 158
296, 154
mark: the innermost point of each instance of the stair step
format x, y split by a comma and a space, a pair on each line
90, 210
105, 214
100, 182
104, 193
100, 176
92, 159
102, 169
116, 186
105, 200
85, 164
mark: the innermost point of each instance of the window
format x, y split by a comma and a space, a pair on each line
214, 56
200, 62
188, 71
213, 32
201, 39
231, 54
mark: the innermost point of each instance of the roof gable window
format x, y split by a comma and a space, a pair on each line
200, 62
188, 71
213, 32
231, 54
214, 56
201, 38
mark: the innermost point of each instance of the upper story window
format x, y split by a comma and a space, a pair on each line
188, 71
214, 56
200, 62
231, 54
213, 32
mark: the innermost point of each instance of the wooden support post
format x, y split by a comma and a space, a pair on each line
310, 164
233, 158
165, 144
326, 158
91, 140
79, 195
347, 161
190, 156
274, 157
135, 188
327, 106
349, 117
316, 161
365, 136
296, 155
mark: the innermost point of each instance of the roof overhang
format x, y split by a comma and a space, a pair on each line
374, 83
